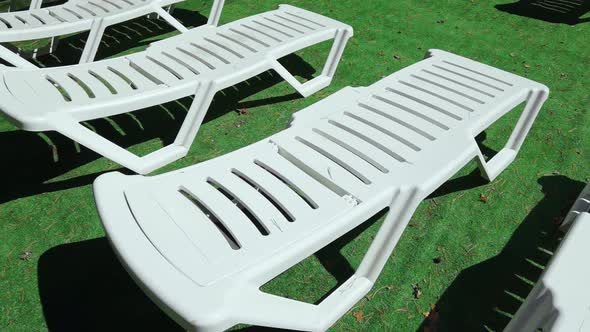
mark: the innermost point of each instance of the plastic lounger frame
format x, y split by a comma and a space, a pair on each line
198, 63
201, 241
82, 15
560, 300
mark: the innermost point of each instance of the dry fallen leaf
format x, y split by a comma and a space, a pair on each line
483, 198
359, 316
416, 291
26, 256
527, 66
397, 57
243, 111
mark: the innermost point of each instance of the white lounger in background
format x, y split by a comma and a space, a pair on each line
202, 240
197, 63
560, 300
82, 15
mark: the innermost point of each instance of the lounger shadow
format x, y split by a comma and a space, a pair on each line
553, 11
480, 295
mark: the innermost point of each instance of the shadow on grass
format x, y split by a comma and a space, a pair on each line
553, 11
480, 295
30, 161
84, 288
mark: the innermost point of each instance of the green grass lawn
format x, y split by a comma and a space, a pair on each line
472, 248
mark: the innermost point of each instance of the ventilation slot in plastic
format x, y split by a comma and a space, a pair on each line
398, 121
427, 104
264, 193
65, 95
73, 13
478, 73
411, 111
229, 50
249, 37
196, 57
468, 77
98, 6
469, 109
82, 85
86, 10
164, 66
57, 17
103, 81
294, 22
273, 29
312, 173
368, 140
145, 73
180, 62
284, 25
334, 159
240, 205
231, 239
6, 22
356, 152
222, 59
288, 183
235, 41
448, 89
113, 4
262, 33
459, 83
38, 18
123, 77
383, 130
306, 19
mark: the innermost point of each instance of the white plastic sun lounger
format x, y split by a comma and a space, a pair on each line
200, 62
82, 15
560, 300
202, 240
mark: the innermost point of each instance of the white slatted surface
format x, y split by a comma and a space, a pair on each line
343, 159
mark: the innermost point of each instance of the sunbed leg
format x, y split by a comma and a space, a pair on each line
403, 205
162, 13
215, 13
35, 4
196, 113
71, 128
325, 78
93, 42
492, 168
14, 59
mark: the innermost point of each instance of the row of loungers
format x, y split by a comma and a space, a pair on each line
201, 241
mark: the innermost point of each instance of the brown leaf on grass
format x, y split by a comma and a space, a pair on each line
359, 315
483, 198
26, 255
416, 291
432, 319
397, 57
527, 66
562, 75
243, 111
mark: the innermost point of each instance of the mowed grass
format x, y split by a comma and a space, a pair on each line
471, 248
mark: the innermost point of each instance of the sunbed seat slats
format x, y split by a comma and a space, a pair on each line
342, 160
71, 17
199, 62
